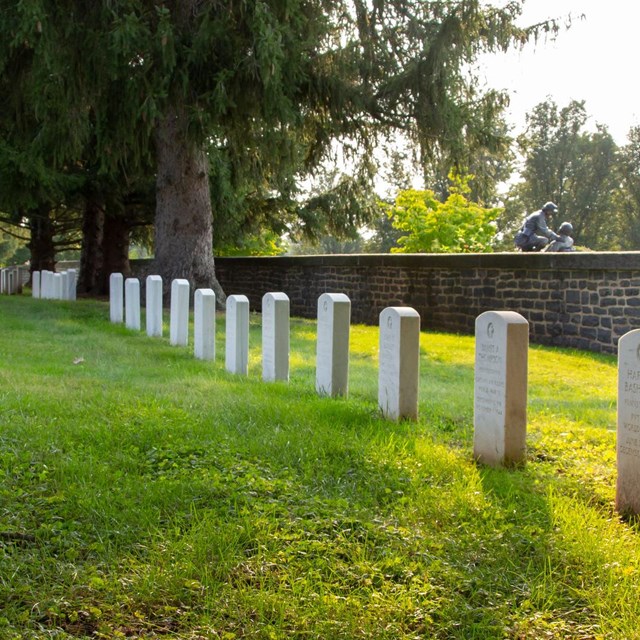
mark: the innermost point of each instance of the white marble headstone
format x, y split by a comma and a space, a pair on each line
64, 285
72, 284
116, 297
44, 284
57, 286
399, 363
332, 347
500, 388
153, 297
35, 284
237, 335
132, 303
17, 280
275, 336
204, 324
179, 313
628, 434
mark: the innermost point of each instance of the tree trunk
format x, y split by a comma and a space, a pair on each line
183, 222
41, 245
91, 258
115, 250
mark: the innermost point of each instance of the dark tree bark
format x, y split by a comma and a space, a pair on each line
105, 247
183, 221
41, 245
115, 250
91, 258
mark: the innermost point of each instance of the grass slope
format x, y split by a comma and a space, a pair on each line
144, 494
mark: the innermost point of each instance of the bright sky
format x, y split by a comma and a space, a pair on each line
596, 60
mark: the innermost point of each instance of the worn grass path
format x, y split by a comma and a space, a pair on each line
144, 494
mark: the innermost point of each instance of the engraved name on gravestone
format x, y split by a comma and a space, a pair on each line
237, 335
500, 388
116, 297
179, 313
204, 324
399, 363
153, 297
332, 347
275, 336
628, 432
132, 303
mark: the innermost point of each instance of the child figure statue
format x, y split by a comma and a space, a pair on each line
564, 241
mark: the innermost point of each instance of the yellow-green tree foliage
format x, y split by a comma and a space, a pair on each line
456, 225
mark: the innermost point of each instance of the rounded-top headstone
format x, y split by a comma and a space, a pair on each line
332, 346
399, 363
500, 388
275, 336
628, 430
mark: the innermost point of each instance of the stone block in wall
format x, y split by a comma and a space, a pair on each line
555, 329
590, 321
438, 282
539, 329
582, 343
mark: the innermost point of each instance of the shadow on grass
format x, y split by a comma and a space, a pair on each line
164, 493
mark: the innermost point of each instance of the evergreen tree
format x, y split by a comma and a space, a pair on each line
257, 91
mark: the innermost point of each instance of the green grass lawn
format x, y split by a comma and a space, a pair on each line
145, 494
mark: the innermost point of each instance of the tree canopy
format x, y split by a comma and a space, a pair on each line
572, 166
253, 94
456, 225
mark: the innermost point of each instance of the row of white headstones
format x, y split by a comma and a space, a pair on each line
54, 286
12, 279
501, 363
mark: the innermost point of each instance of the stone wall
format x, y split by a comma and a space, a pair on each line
581, 300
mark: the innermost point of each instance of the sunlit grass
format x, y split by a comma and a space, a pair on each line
146, 494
